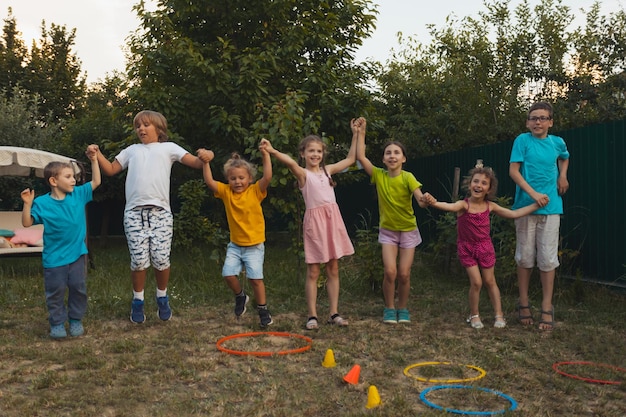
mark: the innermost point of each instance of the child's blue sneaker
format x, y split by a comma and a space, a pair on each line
136, 311
57, 331
165, 312
76, 328
390, 316
403, 315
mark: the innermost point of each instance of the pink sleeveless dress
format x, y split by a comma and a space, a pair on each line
325, 234
474, 245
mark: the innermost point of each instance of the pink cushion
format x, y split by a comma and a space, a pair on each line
31, 237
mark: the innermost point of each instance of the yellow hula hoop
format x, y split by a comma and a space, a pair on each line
481, 373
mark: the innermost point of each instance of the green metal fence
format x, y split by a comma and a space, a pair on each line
594, 215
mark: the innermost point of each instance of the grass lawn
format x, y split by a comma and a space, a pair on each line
175, 369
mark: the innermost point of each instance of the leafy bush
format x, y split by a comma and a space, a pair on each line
192, 229
368, 257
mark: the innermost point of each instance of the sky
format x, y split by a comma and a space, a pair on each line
102, 26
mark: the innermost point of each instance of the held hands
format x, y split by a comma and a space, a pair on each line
92, 152
358, 125
541, 199
205, 155
428, 199
28, 196
266, 146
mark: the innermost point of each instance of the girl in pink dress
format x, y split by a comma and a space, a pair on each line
474, 245
326, 239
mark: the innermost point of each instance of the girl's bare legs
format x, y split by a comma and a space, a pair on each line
476, 283
489, 280
310, 288
405, 262
390, 254
332, 285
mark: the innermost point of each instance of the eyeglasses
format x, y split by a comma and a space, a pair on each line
539, 119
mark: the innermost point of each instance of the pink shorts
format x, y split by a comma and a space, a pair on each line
476, 253
405, 240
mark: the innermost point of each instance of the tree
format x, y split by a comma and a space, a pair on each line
209, 66
13, 56
20, 125
473, 84
54, 73
226, 74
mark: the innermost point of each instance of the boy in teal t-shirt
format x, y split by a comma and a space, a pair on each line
538, 166
62, 213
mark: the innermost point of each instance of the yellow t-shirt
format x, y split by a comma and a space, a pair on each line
244, 214
395, 199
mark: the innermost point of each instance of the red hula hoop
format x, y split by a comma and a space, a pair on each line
591, 380
264, 353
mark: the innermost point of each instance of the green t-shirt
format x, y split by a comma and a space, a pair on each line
395, 199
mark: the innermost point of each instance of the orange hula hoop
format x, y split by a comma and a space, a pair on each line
264, 353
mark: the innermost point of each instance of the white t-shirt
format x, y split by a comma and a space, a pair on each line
149, 168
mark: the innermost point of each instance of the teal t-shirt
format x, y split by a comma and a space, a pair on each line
64, 227
538, 158
395, 199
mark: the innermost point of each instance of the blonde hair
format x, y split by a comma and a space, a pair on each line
236, 161
154, 118
487, 172
314, 138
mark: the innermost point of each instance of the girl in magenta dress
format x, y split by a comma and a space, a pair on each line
474, 246
326, 239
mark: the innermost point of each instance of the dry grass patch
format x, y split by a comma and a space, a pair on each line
175, 369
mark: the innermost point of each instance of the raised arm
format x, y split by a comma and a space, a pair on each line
516, 176
512, 214
206, 156
285, 159
107, 167
360, 147
96, 178
351, 157
28, 196
192, 161
264, 182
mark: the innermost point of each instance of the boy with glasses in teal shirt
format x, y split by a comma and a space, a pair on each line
538, 166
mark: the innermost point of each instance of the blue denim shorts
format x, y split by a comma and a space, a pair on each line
249, 256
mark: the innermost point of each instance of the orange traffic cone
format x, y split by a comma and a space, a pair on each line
352, 377
373, 399
329, 359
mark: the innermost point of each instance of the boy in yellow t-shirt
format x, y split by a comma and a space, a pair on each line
242, 200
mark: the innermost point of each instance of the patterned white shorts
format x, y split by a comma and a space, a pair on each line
149, 232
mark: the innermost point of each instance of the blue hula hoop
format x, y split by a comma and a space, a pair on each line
472, 413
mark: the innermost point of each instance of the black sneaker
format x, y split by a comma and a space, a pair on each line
240, 305
265, 316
